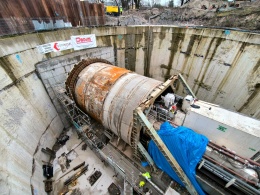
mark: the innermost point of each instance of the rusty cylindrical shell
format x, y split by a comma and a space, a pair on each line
93, 85
109, 94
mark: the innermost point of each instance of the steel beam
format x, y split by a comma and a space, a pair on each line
165, 151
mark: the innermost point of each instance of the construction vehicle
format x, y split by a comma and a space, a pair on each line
113, 8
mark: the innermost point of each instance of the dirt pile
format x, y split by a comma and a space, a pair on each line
131, 17
132, 20
244, 15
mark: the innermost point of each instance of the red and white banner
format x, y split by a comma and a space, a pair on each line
55, 46
77, 43
83, 41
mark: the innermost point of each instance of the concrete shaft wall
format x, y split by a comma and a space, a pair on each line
222, 69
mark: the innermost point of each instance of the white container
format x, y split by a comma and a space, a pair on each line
168, 99
187, 101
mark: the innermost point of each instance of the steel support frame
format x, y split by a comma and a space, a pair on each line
146, 104
141, 120
186, 86
158, 91
165, 151
76, 115
146, 156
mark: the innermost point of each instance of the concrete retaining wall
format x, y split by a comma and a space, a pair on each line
220, 68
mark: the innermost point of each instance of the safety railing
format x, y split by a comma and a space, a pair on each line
161, 114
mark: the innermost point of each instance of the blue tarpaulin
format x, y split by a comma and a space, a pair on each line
186, 146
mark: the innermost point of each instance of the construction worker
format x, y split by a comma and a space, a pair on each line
141, 185
146, 175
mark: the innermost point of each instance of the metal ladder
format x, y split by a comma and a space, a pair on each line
134, 140
139, 115
146, 156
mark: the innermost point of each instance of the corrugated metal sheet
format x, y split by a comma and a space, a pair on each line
31, 15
